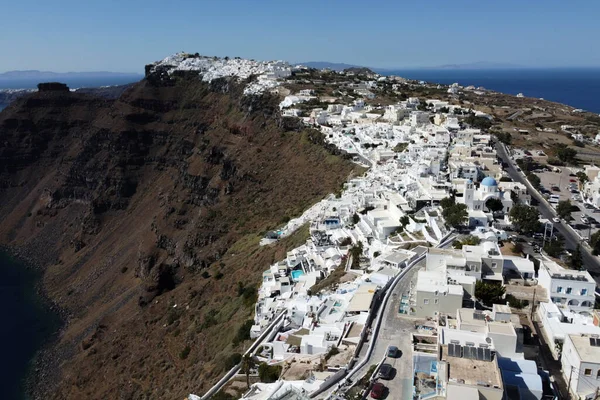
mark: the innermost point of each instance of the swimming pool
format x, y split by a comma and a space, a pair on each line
297, 274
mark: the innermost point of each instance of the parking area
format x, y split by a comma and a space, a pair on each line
565, 185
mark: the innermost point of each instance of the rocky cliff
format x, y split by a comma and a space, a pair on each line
145, 213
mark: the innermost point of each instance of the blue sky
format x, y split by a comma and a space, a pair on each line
90, 35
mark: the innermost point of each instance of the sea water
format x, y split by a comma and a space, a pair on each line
26, 326
577, 87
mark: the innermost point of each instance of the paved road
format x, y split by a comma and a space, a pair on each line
591, 263
395, 330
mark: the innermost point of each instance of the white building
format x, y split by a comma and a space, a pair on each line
581, 364
419, 118
475, 199
434, 295
568, 288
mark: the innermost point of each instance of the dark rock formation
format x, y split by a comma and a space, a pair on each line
53, 87
146, 212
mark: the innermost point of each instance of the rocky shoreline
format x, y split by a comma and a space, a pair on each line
43, 371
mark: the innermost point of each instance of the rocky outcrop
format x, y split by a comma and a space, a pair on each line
53, 87
146, 212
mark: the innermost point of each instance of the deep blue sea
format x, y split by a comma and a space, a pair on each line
27, 325
73, 83
577, 87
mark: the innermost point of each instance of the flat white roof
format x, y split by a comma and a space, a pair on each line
397, 257
587, 352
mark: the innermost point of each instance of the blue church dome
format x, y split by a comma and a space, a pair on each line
489, 181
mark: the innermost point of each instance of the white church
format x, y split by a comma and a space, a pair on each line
475, 200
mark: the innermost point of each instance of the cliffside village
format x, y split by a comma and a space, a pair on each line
319, 308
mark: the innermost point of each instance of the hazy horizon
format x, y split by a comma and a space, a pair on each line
124, 36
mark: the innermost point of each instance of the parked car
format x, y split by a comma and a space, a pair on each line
378, 390
392, 351
572, 180
385, 372
584, 220
588, 206
556, 220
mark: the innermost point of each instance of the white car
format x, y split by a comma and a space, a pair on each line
556, 220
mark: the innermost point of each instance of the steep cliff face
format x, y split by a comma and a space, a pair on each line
146, 212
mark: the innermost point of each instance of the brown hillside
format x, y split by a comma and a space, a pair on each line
146, 212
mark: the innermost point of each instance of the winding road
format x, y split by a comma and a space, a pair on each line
590, 262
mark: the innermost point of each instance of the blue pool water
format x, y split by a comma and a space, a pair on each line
297, 274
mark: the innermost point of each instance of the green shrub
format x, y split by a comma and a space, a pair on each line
185, 352
268, 373
243, 332
233, 360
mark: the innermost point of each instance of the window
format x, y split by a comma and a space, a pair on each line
436, 301
587, 372
569, 290
583, 292
598, 374
494, 265
559, 289
425, 301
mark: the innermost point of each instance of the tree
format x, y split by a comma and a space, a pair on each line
504, 137
525, 218
554, 247
576, 261
563, 210
355, 219
489, 293
595, 243
534, 180
518, 248
404, 220
494, 204
447, 202
583, 178
467, 241
456, 215
268, 373
566, 154
247, 365
536, 265
478, 122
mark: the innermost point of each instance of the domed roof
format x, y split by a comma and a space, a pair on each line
489, 181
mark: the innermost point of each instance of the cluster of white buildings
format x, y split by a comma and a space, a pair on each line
268, 74
480, 353
417, 155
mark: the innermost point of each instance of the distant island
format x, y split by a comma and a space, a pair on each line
479, 65
45, 75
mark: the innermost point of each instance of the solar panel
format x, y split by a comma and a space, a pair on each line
451, 350
594, 342
480, 354
478, 315
487, 355
458, 351
468, 352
